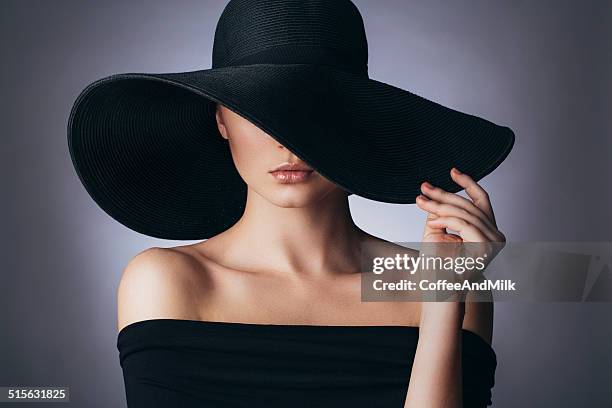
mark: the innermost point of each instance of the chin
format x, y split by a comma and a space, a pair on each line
295, 196
292, 199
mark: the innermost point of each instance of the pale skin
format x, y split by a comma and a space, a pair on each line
293, 258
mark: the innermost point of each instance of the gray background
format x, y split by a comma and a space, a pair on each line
542, 68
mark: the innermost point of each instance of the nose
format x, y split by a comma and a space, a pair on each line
280, 146
291, 157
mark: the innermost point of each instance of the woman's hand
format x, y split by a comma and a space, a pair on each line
478, 236
474, 220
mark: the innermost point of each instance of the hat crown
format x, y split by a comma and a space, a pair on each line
324, 32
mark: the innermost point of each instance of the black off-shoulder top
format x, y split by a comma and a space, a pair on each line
178, 363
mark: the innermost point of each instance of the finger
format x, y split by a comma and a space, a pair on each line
467, 231
443, 196
429, 230
445, 209
478, 194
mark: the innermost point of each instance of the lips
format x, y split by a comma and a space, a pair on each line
292, 172
293, 167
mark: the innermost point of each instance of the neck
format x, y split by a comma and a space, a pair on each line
313, 239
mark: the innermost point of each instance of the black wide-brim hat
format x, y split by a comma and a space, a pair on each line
148, 151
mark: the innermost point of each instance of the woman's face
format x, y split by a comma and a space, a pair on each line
269, 168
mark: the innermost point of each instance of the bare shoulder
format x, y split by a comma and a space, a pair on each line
478, 316
158, 283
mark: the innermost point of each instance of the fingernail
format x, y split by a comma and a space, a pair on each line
428, 185
422, 197
456, 170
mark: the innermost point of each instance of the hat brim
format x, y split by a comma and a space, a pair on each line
147, 148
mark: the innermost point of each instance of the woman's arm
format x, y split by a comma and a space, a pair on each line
435, 380
436, 377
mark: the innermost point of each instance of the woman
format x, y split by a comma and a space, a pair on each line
293, 258
267, 311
